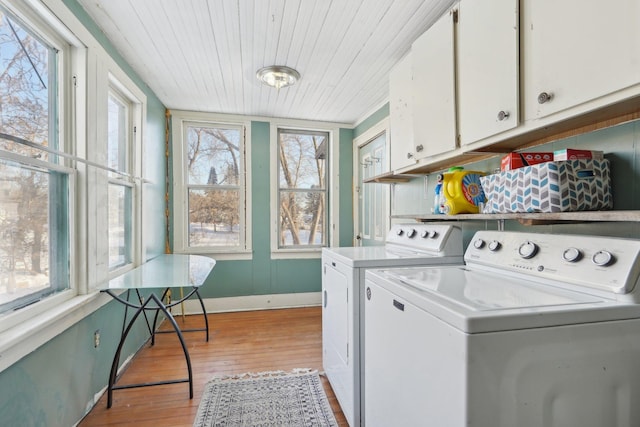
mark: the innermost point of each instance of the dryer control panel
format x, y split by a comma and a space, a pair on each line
605, 264
445, 239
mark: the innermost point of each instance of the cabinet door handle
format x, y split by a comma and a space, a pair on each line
544, 97
503, 115
398, 305
333, 263
409, 155
324, 303
419, 148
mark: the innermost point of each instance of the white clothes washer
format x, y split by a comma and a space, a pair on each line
343, 296
535, 330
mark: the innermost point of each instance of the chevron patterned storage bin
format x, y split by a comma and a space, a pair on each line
575, 185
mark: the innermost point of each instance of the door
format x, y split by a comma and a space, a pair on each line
373, 199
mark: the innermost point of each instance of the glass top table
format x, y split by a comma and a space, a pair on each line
168, 270
158, 276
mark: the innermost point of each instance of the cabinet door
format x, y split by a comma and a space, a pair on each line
434, 111
487, 64
576, 51
401, 113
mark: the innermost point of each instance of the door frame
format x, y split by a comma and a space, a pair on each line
367, 136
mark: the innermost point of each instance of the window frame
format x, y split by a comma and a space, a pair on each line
17, 317
111, 79
324, 191
332, 188
127, 178
180, 120
58, 109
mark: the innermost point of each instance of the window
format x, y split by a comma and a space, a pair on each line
70, 173
120, 212
35, 199
34, 232
211, 190
302, 188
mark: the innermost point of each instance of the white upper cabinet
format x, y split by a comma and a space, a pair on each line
401, 114
434, 110
503, 73
487, 65
576, 51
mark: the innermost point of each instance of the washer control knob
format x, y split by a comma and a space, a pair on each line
400, 232
528, 250
478, 244
425, 234
433, 234
494, 245
572, 255
603, 258
412, 233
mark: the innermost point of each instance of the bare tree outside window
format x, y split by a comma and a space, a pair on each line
302, 178
214, 156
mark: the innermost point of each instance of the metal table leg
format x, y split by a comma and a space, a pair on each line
116, 358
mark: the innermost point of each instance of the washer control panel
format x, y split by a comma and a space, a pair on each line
605, 263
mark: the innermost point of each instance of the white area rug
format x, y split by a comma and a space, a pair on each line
265, 399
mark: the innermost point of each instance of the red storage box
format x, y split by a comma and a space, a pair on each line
518, 160
571, 154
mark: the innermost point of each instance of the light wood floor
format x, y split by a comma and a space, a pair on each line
253, 341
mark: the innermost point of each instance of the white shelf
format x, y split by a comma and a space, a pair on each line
535, 218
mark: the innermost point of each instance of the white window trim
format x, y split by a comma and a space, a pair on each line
47, 319
15, 319
50, 29
127, 91
180, 202
333, 188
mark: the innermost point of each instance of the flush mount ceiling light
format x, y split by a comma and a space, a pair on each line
278, 76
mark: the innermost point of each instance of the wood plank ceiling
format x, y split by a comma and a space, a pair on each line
202, 55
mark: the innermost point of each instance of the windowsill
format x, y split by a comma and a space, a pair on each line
296, 254
19, 341
219, 256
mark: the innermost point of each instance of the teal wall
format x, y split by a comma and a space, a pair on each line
263, 275
374, 118
54, 385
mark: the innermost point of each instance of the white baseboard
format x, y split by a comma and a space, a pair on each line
249, 303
